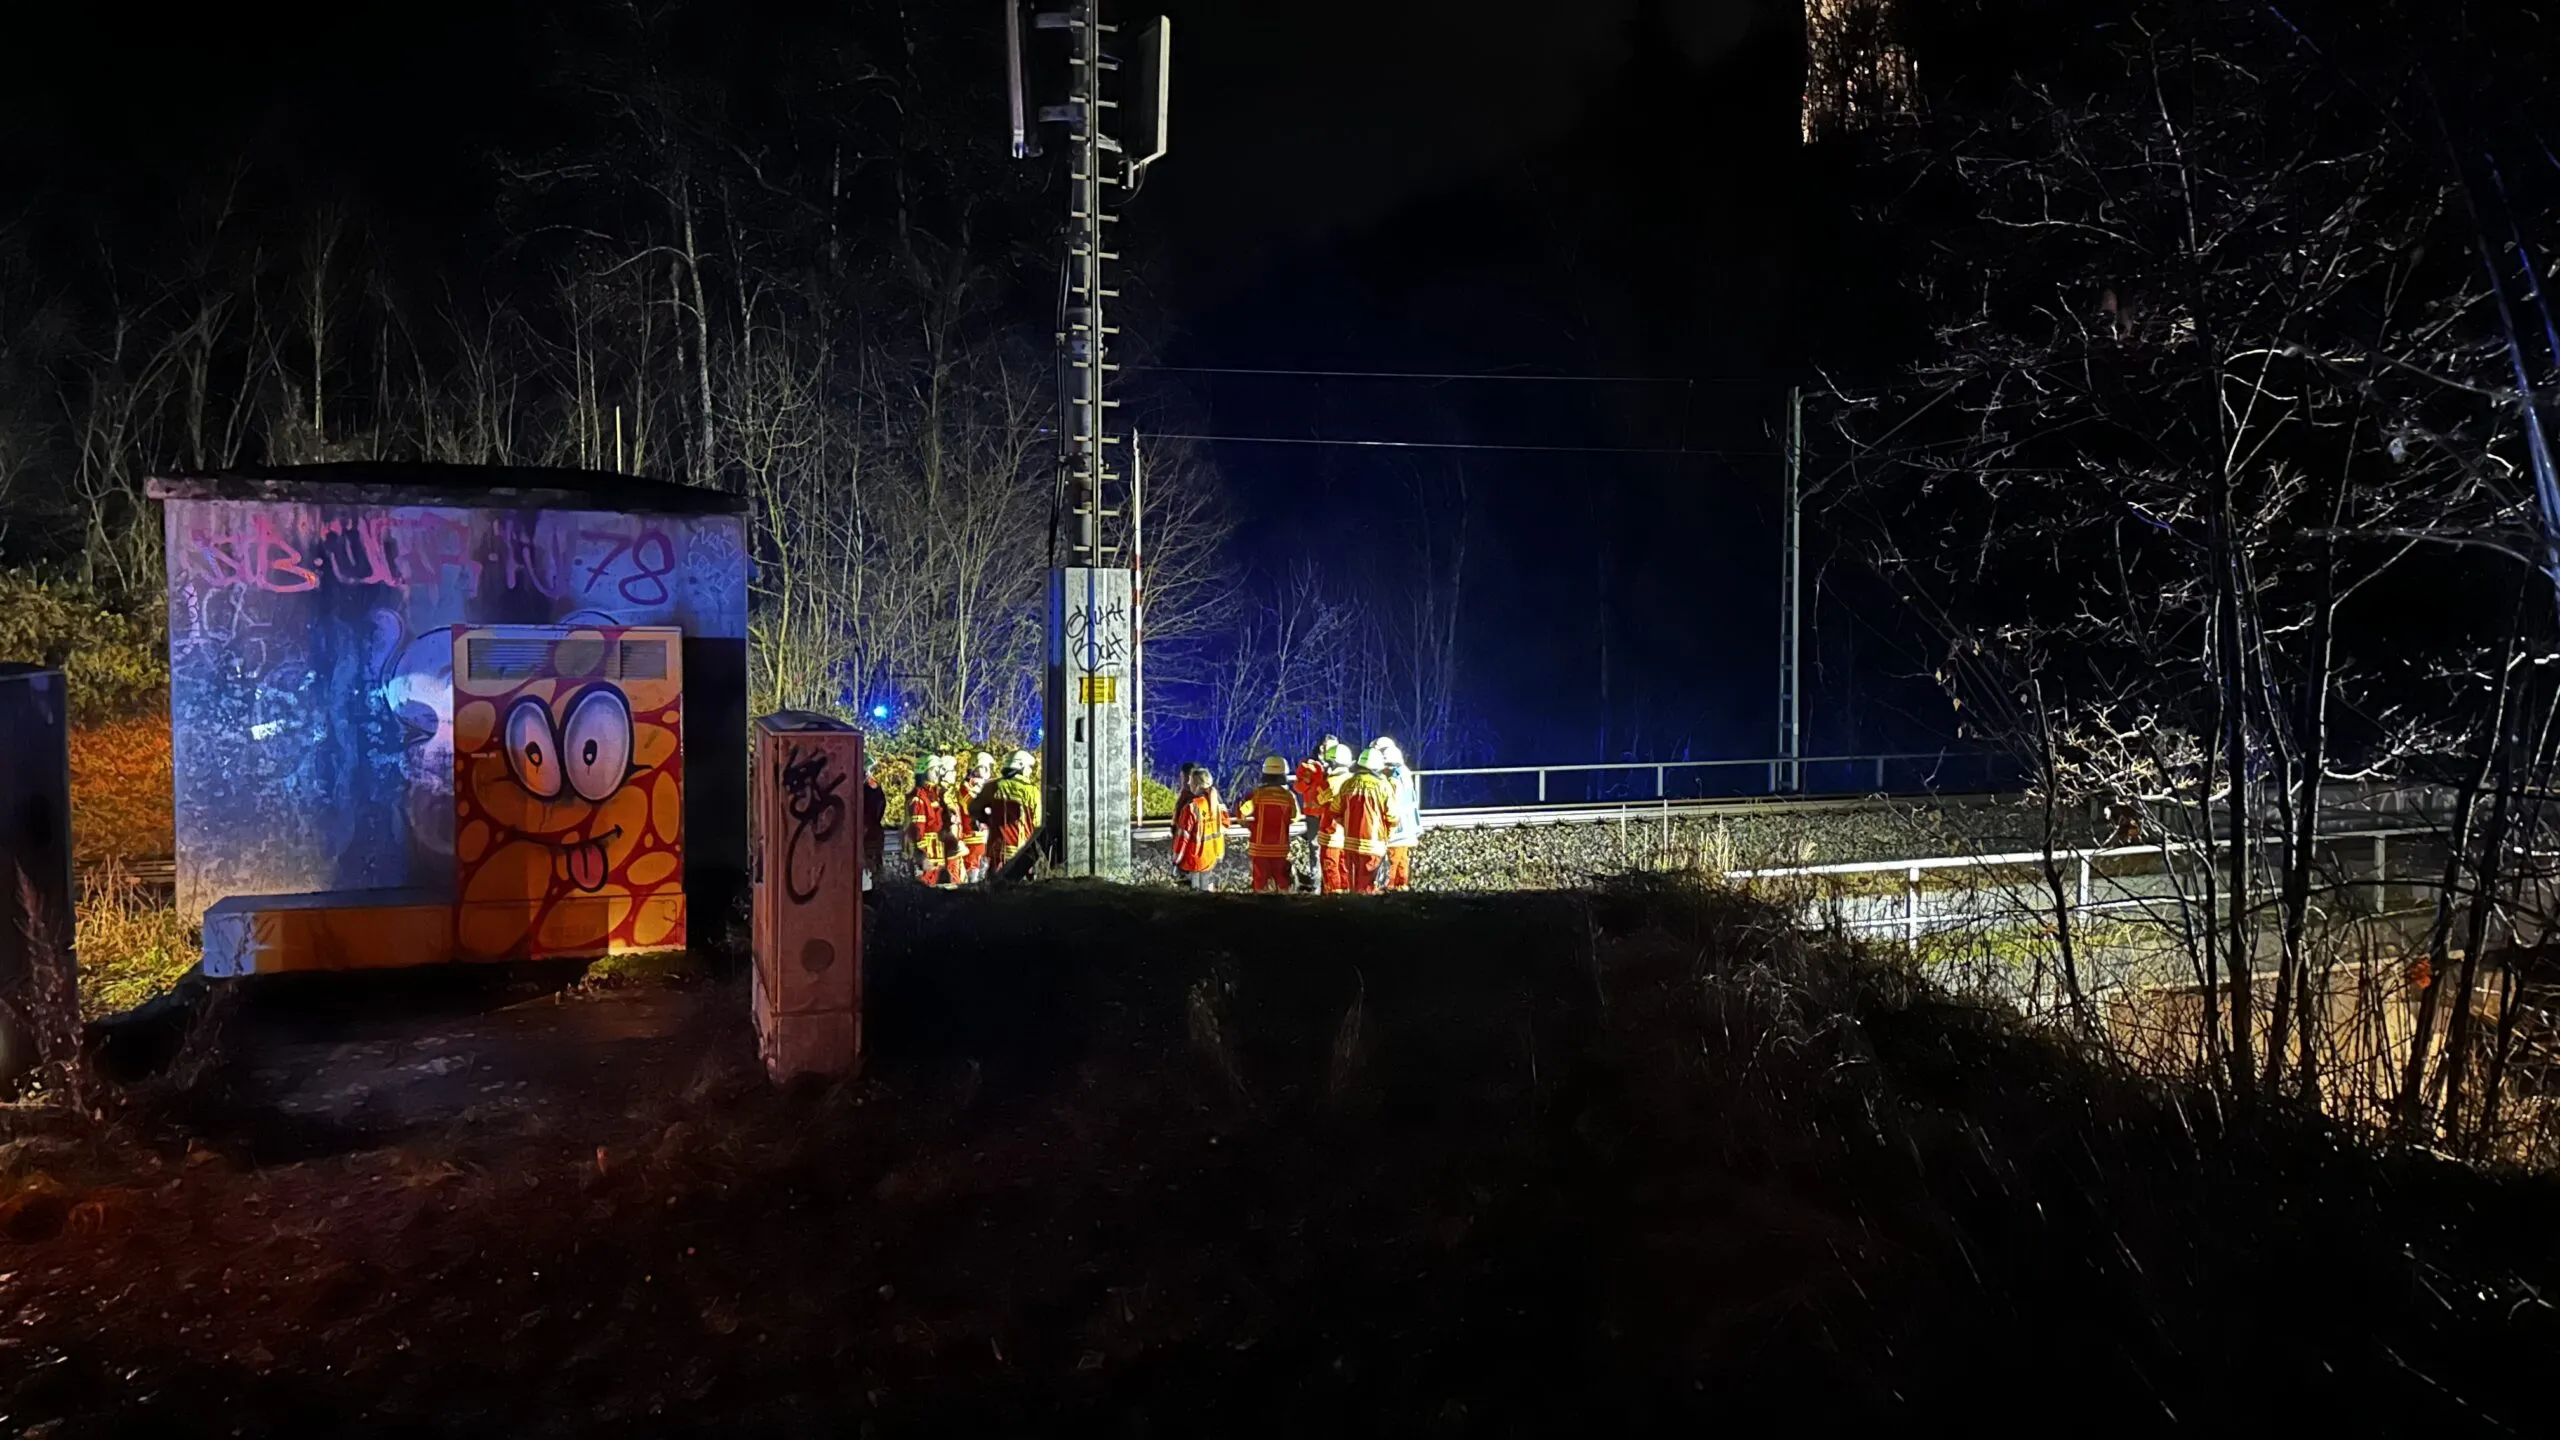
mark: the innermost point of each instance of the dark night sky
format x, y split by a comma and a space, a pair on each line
1606, 187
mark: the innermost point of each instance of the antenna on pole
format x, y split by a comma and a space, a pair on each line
1149, 99
1026, 143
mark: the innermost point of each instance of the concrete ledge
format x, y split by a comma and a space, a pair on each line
327, 930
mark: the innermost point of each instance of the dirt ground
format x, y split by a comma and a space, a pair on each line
1150, 1163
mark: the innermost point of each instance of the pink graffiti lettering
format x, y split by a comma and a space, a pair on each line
291, 550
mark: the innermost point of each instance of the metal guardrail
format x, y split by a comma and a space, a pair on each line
1504, 817
1662, 770
1914, 920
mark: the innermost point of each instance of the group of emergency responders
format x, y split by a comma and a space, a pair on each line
960, 829
1360, 816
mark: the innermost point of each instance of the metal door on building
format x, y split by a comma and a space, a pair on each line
568, 746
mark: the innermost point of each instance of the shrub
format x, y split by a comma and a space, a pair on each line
120, 790
115, 659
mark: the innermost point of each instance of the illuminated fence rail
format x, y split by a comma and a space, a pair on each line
1520, 785
2361, 871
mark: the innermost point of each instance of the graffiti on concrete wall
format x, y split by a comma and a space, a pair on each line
311, 658
291, 549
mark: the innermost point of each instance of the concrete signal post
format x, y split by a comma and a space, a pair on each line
1089, 760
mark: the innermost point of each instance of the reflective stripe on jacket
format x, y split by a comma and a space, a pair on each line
1270, 813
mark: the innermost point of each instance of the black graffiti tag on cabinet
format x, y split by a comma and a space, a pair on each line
816, 811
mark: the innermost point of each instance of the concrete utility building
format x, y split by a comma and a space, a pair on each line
427, 712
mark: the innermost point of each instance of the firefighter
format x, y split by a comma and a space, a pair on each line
925, 820
1199, 831
1333, 865
1008, 811
955, 820
1312, 787
1366, 812
1408, 791
1270, 816
973, 836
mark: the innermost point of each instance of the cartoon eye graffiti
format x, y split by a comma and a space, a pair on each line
533, 751
597, 743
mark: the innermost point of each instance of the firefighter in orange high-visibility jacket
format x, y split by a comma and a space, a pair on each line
1333, 863
1408, 790
1313, 787
1270, 816
973, 836
1008, 811
1199, 830
928, 815
1366, 810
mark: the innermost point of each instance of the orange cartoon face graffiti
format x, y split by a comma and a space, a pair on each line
569, 791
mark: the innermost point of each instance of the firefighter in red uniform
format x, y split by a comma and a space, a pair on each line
1313, 786
1270, 816
1199, 831
1367, 812
927, 817
973, 837
1334, 864
1008, 812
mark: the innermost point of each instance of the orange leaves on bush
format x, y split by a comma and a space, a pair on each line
120, 790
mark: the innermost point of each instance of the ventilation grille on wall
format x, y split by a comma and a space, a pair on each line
498, 657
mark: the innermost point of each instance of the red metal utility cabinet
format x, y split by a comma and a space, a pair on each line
808, 895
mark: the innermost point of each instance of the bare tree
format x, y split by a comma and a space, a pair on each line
2172, 468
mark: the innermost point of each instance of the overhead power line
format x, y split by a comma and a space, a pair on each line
1378, 444
1438, 375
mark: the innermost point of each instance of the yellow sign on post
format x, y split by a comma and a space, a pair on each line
1098, 689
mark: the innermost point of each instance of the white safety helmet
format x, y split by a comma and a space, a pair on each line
944, 768
1018, 763
1389, 752
1338, 757
1371, 760
985, 764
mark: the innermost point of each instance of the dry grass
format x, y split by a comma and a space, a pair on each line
645, 967
120, 789
1640, 1160
132, 945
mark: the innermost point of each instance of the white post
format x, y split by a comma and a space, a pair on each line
1137, 633
1911, 911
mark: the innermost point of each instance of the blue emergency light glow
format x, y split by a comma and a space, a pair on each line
879, 712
